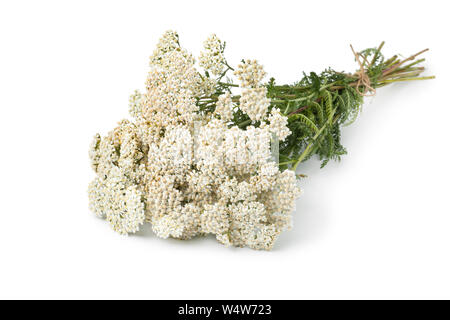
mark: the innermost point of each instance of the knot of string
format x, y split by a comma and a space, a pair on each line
363, 78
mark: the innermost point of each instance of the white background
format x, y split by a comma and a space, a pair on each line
376, 225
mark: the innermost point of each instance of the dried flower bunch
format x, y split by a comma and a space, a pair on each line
200, 155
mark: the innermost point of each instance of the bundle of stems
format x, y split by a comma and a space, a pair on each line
318, 105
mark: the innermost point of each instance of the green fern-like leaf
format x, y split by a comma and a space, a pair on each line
319, 111
305, 120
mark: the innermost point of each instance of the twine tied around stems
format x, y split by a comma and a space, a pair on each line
363, 78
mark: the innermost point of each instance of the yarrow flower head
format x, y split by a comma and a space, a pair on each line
278, 124
250, 73
224, 106
212, 58
254, 103
167, 43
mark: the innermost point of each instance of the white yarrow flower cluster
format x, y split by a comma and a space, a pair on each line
189, 172
254, 103
278, 124
250, 73
167, 43
224, 107
212, 58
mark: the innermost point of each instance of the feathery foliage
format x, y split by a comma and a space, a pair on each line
320, 104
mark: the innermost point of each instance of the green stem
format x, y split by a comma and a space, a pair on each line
306, 152
246, 122
228, 84
287, 162
406, 79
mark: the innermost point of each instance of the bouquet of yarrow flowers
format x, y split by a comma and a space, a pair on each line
204, 155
